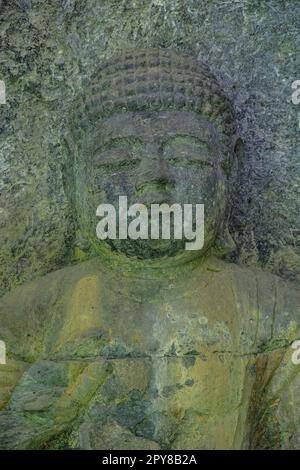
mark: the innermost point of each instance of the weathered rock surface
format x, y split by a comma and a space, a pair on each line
108, 358
48, 49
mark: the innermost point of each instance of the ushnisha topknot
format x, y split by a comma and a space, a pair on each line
156, 79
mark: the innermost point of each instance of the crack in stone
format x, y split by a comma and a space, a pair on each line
171, 356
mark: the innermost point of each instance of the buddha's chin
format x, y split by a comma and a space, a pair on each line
148, 249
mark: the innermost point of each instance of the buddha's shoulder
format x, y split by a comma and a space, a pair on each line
54, 284
248, 276
27, 309
250, 284
256, 289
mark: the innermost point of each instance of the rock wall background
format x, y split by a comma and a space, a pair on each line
49, 47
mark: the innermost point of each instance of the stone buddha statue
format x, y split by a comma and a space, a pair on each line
146, 345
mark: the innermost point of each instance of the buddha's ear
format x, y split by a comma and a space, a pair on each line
82, 246
224, 244
239, 151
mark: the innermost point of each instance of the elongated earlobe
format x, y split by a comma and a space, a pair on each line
224, 244
238, 150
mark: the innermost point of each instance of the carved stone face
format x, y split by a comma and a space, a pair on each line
154, 157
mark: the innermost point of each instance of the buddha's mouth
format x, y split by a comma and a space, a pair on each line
156, 198
160, 230
159, 190
147, 249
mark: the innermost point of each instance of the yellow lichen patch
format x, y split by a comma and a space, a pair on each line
83, 310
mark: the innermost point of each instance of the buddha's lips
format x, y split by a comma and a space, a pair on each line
156, 198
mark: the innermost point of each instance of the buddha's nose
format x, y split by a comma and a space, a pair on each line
155, 176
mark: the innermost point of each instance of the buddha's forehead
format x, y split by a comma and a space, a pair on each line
156, 125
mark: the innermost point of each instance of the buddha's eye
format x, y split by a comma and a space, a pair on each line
118, 156
186, 152
189, 161
116, 163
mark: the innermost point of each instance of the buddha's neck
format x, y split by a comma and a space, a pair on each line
167, 268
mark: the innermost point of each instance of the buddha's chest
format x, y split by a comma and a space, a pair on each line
148, 319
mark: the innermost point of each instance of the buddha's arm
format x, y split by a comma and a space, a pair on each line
25, 313
275, 397
40, 397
